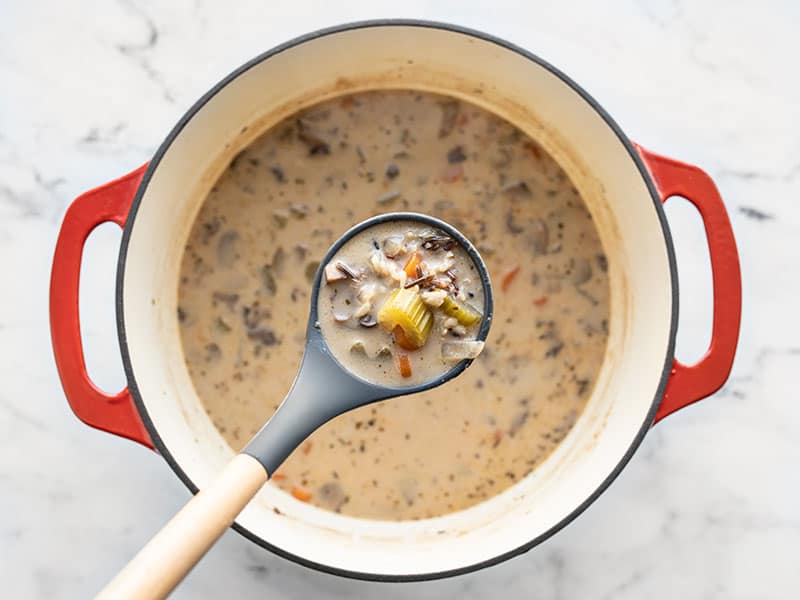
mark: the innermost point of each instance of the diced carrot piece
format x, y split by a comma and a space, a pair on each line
307, 447
497, 437
301, 494
533, 148
401, 339
404, 365
453, 173
412, 263
508, 278
540, 301
278, 477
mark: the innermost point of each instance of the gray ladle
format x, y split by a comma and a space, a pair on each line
322, 390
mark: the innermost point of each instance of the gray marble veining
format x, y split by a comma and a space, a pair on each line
709, 506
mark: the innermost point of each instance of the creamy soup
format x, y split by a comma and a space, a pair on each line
400, 304
255, 248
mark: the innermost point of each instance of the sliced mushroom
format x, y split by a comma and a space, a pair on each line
263, 335
456, 155
555, 349
384, 352
225, 298
342, 302
512, 225
517, 422
299, 211
363, 310
253, 315
210, 229
408, 490
332, 496
517, 189
312, 138
393, 246
213, 352
581, 271
389, 197
278, 260
300, 251
539, 236
500, 158
278, 173
221, 326
368, 321
227, 248
450, 110
311, 270
341, 317
333, 274
268, 279
602, 262
280, 217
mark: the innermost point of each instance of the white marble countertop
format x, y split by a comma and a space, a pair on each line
708, 508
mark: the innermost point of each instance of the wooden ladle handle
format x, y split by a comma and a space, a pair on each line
183, 541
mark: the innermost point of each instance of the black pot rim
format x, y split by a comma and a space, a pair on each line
634, 155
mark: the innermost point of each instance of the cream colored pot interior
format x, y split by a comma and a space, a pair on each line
500, 80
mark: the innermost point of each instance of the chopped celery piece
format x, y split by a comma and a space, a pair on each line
404, 308
465, 314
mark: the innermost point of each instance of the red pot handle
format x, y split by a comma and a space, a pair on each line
690, 383
112, 413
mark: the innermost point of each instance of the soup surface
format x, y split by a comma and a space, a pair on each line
257, 242
401, 304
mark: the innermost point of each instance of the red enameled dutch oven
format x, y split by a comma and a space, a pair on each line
624, 187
